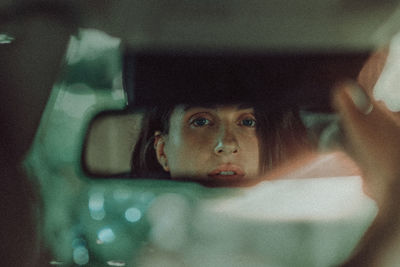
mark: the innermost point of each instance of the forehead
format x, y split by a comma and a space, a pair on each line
234, 107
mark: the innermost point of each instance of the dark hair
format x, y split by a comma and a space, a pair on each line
144, 162
281, 135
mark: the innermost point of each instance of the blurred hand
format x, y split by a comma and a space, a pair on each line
372, 138
371, 135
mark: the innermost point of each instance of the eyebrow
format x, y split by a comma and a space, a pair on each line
215, 106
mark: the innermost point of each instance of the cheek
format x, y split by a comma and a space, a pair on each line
188, 149
248, 140
252, 147
250, 150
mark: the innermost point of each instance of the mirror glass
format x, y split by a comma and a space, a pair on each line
222, 145
219, 119
109, 143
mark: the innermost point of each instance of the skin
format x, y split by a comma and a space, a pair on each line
372, 139
204, 140
373, 152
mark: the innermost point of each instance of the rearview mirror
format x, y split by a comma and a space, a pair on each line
109, 143
271, 91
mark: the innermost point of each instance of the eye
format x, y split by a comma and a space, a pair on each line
248, 122
200, 122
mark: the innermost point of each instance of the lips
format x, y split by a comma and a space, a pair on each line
227, 171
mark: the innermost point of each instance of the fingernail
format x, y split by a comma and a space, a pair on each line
359, 98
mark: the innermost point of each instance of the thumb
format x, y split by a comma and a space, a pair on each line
354, 106
371, 136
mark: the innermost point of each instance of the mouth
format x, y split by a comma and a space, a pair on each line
227, 171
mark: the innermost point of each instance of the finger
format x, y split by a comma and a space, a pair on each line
360, 115
360, 119
352, 106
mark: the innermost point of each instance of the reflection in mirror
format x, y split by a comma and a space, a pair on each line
216, 142
109, 143
216, 145
230, 118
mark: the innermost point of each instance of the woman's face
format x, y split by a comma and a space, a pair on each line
210, 143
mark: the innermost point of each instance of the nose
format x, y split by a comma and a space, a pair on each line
226, 144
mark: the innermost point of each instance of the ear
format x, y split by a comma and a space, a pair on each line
159, 145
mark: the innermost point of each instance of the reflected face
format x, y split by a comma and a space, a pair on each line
210, 143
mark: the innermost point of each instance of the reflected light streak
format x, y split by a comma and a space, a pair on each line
56, 262
116, 263
6, 39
